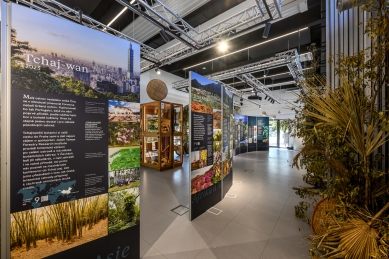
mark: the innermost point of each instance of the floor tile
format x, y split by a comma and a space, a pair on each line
242, 240
259, 223
276, 249
180, 242
218, 253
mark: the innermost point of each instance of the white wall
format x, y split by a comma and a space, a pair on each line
173, 96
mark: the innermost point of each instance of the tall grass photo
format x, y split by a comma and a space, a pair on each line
49, 230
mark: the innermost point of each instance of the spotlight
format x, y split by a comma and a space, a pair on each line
241, 99
259, 106
241, 103
223, 46
266, 30
164, 35
279, 112
157, 71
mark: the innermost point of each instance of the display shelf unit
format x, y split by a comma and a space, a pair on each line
161, 135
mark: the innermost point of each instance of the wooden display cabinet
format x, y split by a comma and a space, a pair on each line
161, 136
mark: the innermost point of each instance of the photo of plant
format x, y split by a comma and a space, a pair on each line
217, 119
205, 94
198, 159
123, 168
227, 167
217, 146
119, 111
205, 180
122, 134
42, 232
123, 209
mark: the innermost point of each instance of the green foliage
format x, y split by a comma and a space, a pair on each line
123, 211
78, 88
34, 80
18, 48
127, 158
343, 128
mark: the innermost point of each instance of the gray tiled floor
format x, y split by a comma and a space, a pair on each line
259, 223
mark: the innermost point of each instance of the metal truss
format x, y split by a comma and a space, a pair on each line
183, 86
161, 13
279, 59
296, 69
136, 9
57, 9
278, 5
229, 27
258, 86
289, 58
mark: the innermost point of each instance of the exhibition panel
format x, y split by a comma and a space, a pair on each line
228, 138
241, 131
252, 134
74, 140
263, 133
205, 144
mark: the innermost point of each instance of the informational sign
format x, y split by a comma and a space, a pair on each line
46, 137
206, 144
75, 152
262, 133
228, 138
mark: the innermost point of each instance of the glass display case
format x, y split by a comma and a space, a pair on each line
161, 125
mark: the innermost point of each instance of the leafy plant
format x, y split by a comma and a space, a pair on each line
343, 129
123, 210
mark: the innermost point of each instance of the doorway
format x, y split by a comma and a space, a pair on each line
278, 133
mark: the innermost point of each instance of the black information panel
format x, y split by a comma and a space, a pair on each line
56, 139
262, 133
202, 134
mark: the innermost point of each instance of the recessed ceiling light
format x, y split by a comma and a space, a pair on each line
204, 68
223, 46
